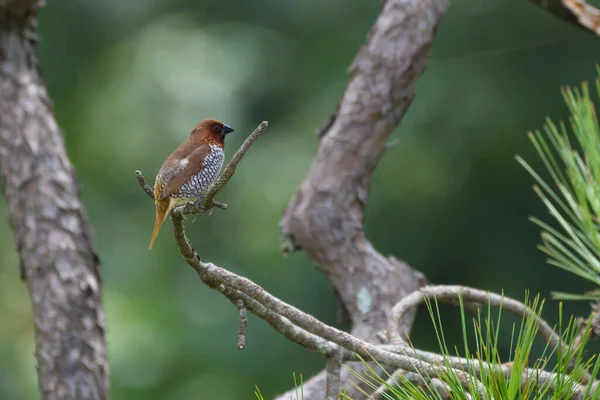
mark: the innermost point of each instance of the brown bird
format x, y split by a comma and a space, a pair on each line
189, 170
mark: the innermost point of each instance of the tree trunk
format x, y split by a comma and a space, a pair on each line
325, 218
51, 230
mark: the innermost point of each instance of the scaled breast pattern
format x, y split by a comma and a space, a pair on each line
198, 183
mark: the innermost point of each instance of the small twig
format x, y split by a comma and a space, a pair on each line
333, 366
142, 181
284, 325
242, 323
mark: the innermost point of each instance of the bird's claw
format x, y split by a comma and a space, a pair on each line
198, 204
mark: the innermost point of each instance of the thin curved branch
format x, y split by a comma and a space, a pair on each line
302, 328
319, 333
335, 345
451, 294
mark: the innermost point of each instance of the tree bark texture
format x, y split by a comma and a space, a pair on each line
325, 218
51, 230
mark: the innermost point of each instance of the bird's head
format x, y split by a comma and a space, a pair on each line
212, 130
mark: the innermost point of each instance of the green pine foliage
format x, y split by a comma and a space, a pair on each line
517, 380
572, 194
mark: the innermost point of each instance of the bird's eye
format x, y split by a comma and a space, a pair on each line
216, 128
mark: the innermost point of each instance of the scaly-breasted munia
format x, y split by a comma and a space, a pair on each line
189, 170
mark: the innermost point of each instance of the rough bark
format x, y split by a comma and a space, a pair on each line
325, 218
50, 227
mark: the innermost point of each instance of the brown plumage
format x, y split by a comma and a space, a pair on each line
189, 170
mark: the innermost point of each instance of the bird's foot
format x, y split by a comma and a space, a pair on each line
198, 203
201, 207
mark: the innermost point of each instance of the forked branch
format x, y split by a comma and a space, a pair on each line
332, 344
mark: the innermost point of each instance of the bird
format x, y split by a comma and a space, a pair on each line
189, 170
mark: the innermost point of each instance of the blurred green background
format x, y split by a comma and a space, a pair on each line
131, 78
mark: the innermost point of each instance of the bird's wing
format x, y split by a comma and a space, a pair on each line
184, 169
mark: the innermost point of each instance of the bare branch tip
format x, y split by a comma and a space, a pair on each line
143, 184
242, 323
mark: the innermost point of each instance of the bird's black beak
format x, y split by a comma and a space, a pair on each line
226, 129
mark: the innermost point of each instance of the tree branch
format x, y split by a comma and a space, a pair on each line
451, 294
325, 217
313, 333
51, 230
329, 206
308, 331
337, 346
575, 12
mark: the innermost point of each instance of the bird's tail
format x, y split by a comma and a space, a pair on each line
163, 208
